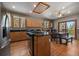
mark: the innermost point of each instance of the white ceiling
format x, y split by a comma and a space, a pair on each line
50, 13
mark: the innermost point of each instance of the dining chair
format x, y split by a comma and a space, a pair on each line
66, 37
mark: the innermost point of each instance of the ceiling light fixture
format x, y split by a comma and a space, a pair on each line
63, 7
34, 5
60, 15
13, 7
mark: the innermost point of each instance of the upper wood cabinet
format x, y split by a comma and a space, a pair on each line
34, 22
23, 22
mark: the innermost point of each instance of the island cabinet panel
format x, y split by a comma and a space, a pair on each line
41, 46
18, 36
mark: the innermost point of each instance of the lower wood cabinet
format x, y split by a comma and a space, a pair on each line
41, 46
18, 36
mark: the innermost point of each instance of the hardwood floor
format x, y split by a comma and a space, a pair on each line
63, 50
21, 49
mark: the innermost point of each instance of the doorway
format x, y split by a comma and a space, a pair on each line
69, 27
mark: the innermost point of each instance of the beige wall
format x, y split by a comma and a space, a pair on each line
66, 19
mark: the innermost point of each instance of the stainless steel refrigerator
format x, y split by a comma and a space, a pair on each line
4, 35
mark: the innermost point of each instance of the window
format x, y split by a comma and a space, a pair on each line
18, 22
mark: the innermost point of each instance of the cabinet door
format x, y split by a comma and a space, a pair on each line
29, 22
42, 46
15, 36
34, 23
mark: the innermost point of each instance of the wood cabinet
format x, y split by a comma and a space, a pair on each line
18, 36
40, 46
34, 22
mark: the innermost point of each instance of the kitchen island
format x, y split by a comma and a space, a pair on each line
39, 44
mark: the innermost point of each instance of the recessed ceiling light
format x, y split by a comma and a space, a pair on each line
34, 5
63, 7
13, 6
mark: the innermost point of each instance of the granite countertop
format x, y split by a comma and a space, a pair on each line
35, 33
43, 33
